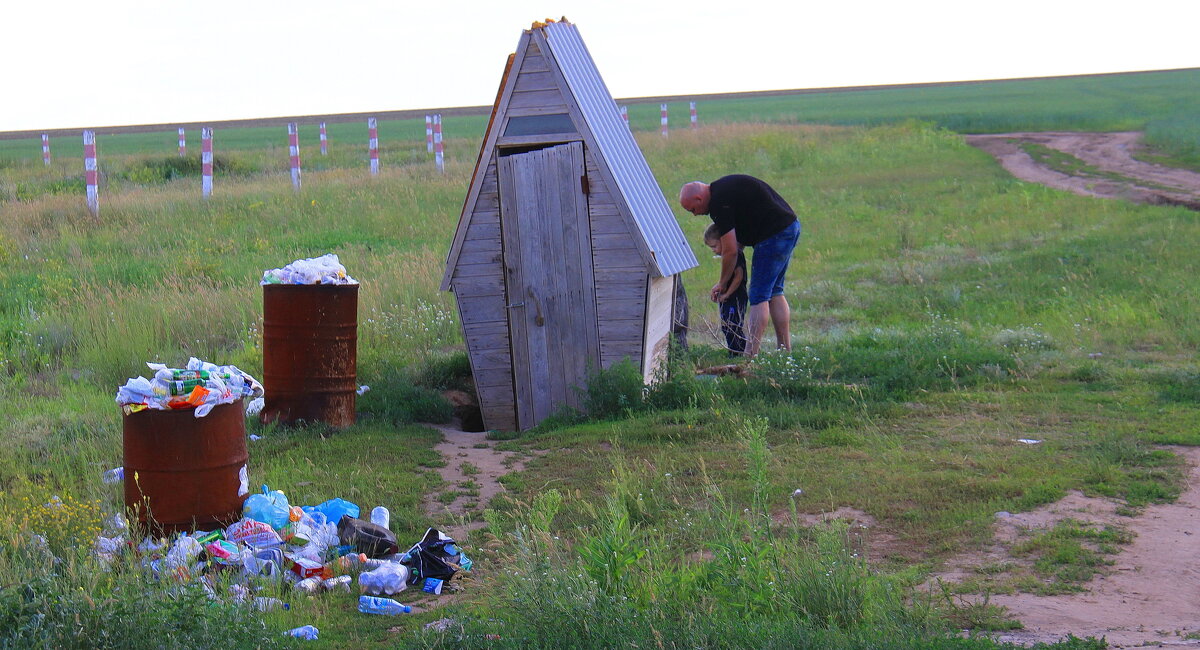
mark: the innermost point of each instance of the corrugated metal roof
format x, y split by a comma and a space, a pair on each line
620, 151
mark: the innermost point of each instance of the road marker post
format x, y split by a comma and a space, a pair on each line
438, 147
294, 154
373, 145
206, 161
91, 173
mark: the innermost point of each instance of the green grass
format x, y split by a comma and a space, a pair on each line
941, 310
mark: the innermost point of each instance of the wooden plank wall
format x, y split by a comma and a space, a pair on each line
536, 90
479, 288
621, 277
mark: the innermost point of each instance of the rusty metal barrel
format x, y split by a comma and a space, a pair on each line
310, 353
186, 473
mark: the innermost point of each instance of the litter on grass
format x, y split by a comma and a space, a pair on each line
304, 550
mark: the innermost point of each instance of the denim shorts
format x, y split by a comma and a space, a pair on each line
770, 263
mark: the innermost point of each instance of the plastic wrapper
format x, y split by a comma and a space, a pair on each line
254, 533
326, 269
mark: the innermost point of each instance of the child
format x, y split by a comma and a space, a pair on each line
733, 301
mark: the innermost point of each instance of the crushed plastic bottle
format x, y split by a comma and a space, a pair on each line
114, 475
387, 606
341, 583
309, 585
306, 632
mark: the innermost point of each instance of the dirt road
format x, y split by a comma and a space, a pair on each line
1115, 173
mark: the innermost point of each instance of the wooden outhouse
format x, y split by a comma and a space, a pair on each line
566, 254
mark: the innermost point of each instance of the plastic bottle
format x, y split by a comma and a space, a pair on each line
380, 516
340, 582
348, 562
309, 585
114, 475
372, 605
307, 632
264, 604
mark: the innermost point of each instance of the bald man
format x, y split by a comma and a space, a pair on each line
748, 212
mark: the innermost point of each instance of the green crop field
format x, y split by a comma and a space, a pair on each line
941, 311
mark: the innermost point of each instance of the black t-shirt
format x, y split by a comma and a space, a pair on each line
748, 206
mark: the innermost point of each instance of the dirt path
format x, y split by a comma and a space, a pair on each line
1122, 176
472, 475
1149, 598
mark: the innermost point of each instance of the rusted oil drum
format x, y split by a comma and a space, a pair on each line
310, 353
186, 473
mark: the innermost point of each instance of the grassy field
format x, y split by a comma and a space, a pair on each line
1160, 103
941, 311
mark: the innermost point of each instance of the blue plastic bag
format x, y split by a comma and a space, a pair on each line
333, 509
270, 507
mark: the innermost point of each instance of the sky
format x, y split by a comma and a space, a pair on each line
71, 63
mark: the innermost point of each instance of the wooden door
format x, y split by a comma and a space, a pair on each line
548, 278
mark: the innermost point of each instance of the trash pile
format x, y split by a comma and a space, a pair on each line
200, 386
317, 270
314, 549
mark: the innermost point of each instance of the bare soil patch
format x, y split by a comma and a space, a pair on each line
1150, 596
1121, 175
472, 477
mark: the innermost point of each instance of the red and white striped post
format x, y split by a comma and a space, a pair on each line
182, 143
428, 134
692, 109
438, 149
662, 109
324, 141
625, 115
91, 172
206, 161
46, 149
373, 145
294, 154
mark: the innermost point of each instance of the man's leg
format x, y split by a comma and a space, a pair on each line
781, 316
756, 324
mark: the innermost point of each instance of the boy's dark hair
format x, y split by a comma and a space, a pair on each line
711, 233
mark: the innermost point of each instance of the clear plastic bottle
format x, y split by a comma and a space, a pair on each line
381, 516
264, 604
372, 605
